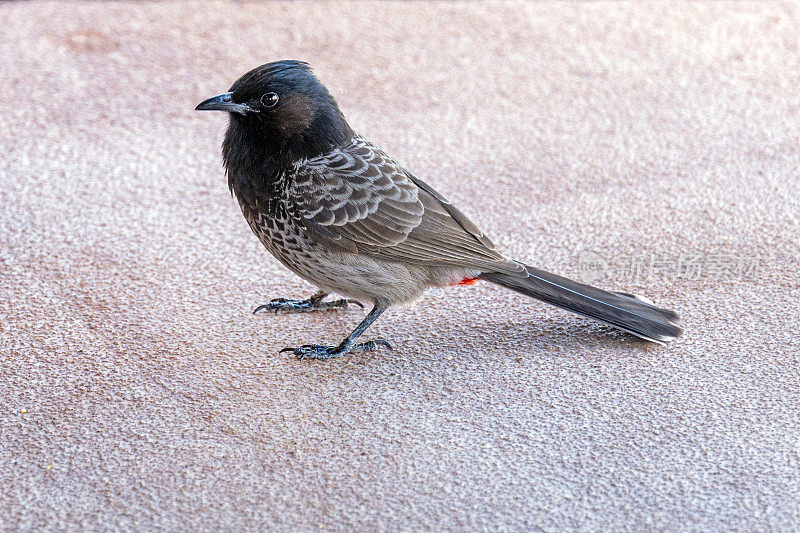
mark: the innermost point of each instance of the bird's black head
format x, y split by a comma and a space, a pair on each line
283, 111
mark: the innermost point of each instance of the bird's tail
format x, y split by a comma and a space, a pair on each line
628, 312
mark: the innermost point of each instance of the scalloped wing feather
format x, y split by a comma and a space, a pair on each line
358, 199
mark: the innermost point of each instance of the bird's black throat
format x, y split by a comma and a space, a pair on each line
258, 157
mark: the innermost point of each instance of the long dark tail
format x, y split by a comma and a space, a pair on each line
627, 312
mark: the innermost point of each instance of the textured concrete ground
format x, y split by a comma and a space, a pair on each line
647, 146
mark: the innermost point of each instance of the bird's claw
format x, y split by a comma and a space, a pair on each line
304, 306
370, 346
285, 304
318, 351
312, 351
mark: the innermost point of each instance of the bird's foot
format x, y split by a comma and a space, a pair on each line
303, 306
318, 351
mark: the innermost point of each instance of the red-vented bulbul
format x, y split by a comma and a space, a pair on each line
342, 214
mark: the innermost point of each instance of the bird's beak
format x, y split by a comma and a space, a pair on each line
223, 102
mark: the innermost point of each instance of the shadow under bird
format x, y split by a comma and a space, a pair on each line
345, 216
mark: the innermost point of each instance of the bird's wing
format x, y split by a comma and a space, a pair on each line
360, 200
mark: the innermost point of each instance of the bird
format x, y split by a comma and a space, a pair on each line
342, 214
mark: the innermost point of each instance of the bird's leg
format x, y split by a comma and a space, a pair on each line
348, 345
314, 303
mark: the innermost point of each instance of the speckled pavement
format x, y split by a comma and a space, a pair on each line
651, 147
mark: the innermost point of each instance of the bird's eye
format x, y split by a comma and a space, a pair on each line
269, 100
